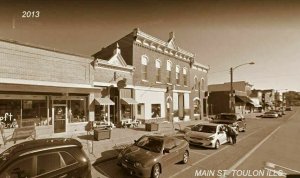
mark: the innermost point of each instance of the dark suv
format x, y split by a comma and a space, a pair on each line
235, 120
59, 158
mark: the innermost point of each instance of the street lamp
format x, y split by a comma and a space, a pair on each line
231, 85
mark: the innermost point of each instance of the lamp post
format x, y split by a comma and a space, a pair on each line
231, 105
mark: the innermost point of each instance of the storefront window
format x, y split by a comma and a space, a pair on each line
77, 111
126, 111
34, 111
196, 107
155, 108
101, 113
10, 113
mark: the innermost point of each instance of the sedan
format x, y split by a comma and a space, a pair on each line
207, 135
270, 114
150, 154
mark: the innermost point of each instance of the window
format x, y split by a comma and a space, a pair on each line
177, 75
144, 62
184, 72
101, 113
48, 162
34, 111
139, 108
21, 168
68, 159
169, 69
202, 84
195, 83
77, 111
158, 70
156, 112
126, 110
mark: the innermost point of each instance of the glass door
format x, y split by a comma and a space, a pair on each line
59, 119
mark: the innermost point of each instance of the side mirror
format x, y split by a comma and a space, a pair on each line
166, 150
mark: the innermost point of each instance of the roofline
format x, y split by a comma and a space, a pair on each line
42, 48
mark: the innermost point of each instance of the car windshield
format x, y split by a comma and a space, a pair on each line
205, 128
226, 117
150, 143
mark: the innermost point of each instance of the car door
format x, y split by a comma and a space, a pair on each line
222, 137
171, 155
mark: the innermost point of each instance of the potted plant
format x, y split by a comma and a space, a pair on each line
152, 126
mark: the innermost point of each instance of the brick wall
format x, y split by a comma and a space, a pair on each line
29, 63
152, 55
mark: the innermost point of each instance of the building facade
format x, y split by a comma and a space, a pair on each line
162, 76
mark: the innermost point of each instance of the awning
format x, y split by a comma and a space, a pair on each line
104, 101
244, 99
129, 101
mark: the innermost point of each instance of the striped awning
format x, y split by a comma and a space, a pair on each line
104, 101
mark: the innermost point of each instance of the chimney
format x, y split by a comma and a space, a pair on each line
117, 50
171, 36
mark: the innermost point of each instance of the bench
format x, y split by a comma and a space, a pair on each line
24, 133
129, 123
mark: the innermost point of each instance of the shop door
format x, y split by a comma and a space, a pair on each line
59, 119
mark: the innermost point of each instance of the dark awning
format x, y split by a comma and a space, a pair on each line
129, 101
244, 99
104, 101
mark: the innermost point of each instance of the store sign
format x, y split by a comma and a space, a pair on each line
7, 116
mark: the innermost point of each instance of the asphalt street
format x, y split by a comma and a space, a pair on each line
266, 140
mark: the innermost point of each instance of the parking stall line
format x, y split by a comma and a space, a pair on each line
193, 164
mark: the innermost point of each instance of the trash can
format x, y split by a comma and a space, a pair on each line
102, 134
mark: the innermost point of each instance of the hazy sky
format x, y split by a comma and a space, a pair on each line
221, 33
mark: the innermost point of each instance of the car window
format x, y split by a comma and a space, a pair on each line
48, 162
151, 144
169, 144
205, 128
22, 168
68, 159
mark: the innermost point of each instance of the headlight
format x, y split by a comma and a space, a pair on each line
210, 138
137, 164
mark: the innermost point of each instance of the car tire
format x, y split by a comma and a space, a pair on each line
155, 171
217, 144
244, 129
185, 158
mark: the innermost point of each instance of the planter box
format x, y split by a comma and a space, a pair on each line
151, 127
101, 134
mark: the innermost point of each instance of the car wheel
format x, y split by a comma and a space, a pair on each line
155, 171
244, 129
217, 144
185, 157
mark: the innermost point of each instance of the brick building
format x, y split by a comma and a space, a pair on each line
162, 76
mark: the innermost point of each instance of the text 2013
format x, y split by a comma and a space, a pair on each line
30, 14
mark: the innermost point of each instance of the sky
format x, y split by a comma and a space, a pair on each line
222, 33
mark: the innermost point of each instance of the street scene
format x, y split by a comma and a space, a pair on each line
151, 89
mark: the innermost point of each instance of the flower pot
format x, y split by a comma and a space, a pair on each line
151, 127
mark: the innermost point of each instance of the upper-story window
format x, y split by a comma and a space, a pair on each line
202, 84
177, 75
144, 62
196, 83
169, 69
184, 72
158, 70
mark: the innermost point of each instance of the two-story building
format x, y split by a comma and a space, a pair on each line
161, 77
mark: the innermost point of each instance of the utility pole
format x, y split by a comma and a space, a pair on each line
231, 91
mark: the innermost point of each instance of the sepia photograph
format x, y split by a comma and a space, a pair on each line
149, 89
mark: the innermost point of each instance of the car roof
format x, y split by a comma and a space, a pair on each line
210, 124
37, 146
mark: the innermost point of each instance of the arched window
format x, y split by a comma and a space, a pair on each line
195, 83
169, 69
158, 70
177, 74
184, 72
144, 62
202, 84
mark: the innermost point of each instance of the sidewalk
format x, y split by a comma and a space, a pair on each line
104, 150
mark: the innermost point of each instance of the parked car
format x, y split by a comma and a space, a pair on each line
42, 158
288, 108
150, 154
207, 135
279, 112
235, 120
270, 114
